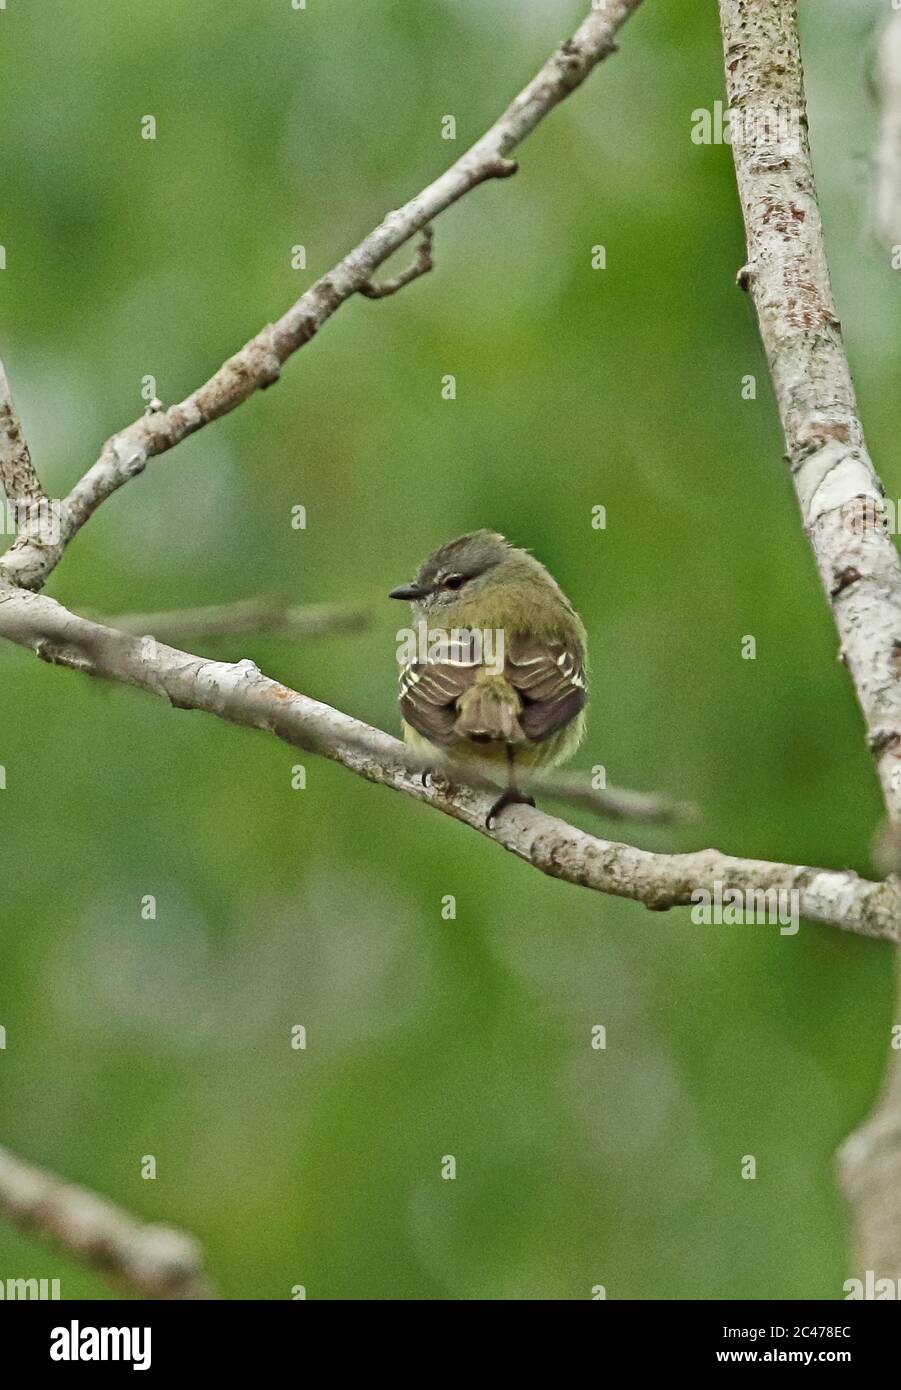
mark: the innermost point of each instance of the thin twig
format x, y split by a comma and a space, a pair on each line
241, 694
259, 362
149, 1261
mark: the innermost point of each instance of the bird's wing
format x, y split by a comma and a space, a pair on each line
550, 677
429, 691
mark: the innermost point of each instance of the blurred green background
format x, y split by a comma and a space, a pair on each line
575, 388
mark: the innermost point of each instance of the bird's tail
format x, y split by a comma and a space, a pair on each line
489, 712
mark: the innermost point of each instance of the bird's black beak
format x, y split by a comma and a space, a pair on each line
407, 591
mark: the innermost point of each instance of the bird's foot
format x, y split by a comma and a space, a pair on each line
510, 797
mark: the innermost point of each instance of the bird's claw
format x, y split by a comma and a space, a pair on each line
509, 797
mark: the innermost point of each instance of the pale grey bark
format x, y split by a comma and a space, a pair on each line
149, 1261
838, 489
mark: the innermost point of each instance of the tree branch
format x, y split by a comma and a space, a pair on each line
246, 617
837, 485
421, 266
30, 560
149, 1261
241, 694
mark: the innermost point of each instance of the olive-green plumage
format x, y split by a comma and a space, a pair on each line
518, 701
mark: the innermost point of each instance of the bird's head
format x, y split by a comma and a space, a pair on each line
459, 569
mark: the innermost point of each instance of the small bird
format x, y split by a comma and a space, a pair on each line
502, 678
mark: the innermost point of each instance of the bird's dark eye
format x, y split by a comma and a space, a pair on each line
454, 581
